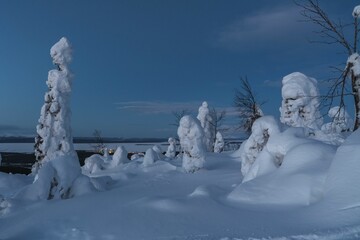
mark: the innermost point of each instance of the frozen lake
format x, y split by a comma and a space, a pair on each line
130, 147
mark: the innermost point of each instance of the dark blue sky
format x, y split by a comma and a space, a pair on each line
137, 61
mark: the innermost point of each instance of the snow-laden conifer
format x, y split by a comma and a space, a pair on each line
53, 130
171, 150
191, 136
208, 126
219, 143
300, 102
58, 172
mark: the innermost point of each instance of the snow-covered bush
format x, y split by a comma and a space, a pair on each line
191, 136
341, 121
300, 103
262, 129
120, 157
171, 150
219, 143
208, 126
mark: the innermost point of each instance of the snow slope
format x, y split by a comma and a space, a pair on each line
161, 201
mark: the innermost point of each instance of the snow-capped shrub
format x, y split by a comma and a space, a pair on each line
191, 136
300, 103
262, 129
219, 143
171, 150
119, 157
150, 157
208, 126
341, 121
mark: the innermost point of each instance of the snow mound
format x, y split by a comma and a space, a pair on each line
344, 174
298, 181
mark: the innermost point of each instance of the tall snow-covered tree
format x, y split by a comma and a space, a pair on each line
58, 173
207, 123
53, 130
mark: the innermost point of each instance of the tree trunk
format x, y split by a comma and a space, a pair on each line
356, 93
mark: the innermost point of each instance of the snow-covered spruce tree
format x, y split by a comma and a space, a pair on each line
208, 126
191, 136
300, 102
57, 160
53, 130
219, 143
171, 150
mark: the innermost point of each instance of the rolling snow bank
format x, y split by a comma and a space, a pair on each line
289, 170
342, 184
59, 178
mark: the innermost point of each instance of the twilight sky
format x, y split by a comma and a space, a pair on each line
137, 61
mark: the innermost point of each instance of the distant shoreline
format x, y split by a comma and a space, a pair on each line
86, 140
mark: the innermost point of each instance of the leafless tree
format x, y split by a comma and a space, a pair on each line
218, 118
332, 32
178, 115
247, 104
99, 144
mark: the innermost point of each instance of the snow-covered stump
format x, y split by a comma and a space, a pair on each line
207, 124
300, 104
191, 136
171, 150
58, 167
219, 143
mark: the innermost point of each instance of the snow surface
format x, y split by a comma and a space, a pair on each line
163, 202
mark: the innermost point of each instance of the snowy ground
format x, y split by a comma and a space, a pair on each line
163, 202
